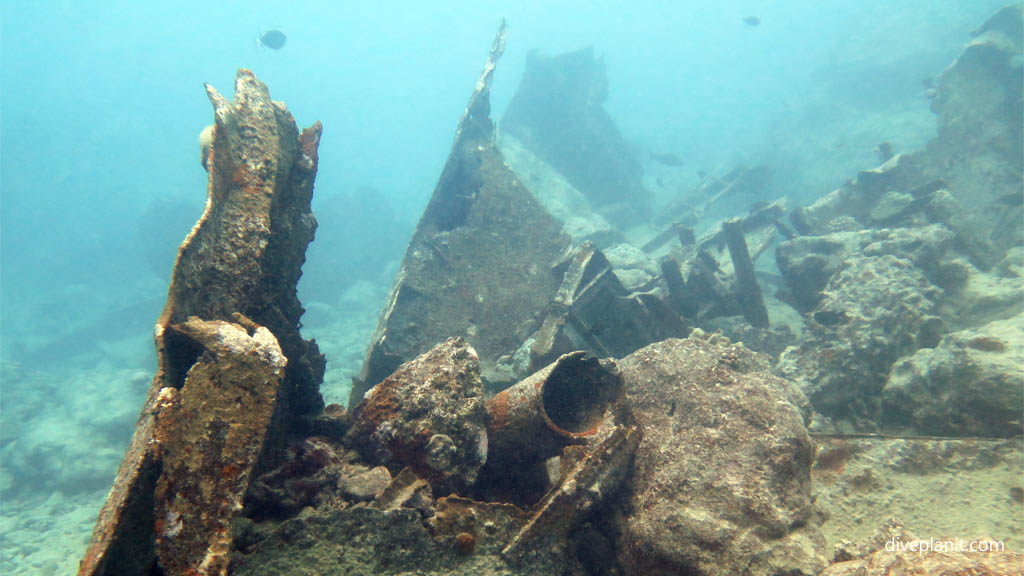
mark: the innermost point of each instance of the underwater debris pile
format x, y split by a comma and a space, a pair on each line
889, 264
540, 402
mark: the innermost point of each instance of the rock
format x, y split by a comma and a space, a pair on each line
876, 194
771, 341
632, 267
891, 206
428, 415
557, 112
234, 374
479, 264
366, 486
971, 384
807, 263
977, 102
307, 476
873, 311
982, 297
721, 481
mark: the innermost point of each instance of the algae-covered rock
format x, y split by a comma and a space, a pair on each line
971, 384
873, 311
807, 263
428, 415
721, 481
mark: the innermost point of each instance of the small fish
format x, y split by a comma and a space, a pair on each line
273, 39
702, 174
751, 20
667, 159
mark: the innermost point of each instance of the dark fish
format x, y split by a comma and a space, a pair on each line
667, 159
702, 174
751, 20
273, 39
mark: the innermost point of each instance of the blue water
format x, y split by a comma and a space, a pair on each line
102, 103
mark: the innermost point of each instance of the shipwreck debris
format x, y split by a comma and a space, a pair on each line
593, 311
234, 374
563, 404
478, 265
558, 113
748, 293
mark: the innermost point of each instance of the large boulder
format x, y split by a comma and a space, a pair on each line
971, 384
721, 481
807, 263
872, 312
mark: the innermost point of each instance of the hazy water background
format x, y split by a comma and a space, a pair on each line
102, 103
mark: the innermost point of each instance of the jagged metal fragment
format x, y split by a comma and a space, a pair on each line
478, 265
210, 434
593, 311
241, 261
596, 476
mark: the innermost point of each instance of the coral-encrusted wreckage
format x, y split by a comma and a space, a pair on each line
550, 391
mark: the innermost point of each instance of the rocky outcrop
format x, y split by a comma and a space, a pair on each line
808, 263
721, 480
873, 311
981, 127
971, 384
234, 374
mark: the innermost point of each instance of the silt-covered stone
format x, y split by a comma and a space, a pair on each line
721, 480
